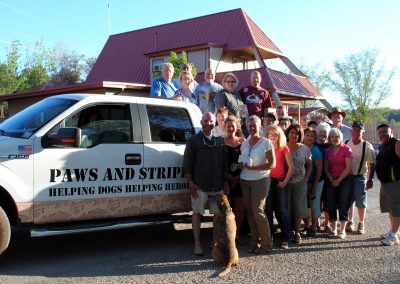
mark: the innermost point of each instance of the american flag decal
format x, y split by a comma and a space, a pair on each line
24, 149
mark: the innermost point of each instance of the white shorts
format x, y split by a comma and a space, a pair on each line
199, 204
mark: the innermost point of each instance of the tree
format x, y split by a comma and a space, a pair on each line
38, 63
177, 62
362, 82
9, 81
319, 77
69, 67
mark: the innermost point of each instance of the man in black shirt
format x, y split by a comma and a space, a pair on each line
388, 172
205, 168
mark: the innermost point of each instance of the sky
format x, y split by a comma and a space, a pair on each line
309, 31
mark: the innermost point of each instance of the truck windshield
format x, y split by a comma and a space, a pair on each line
31, 119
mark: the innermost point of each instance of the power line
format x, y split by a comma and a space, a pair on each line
24, 35
46, 23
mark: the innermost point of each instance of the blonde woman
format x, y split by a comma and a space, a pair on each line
277, 199
184, 92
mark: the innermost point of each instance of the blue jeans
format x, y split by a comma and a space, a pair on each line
360, 191
340, 198
278, 201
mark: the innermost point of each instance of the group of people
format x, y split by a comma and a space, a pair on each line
295, 173
269, 165
210, 96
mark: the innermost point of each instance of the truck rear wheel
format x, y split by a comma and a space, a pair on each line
5, 231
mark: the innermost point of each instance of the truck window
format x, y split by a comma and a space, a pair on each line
101, 124
25, 123
169, 124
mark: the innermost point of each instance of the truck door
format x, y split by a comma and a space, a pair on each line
166, 189
98, 179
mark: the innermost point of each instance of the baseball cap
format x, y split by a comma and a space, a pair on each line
358, 124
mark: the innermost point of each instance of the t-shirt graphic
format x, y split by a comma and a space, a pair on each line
254, 99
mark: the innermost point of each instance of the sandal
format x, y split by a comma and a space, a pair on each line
284, 245
297, 238
252, 248
260, 251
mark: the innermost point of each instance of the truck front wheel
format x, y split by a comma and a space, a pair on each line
5, 231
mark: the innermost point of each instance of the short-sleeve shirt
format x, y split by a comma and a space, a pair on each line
162, 88
356, 150
205, 94
190, 99
315, 156
256, 100
279, 171
299, 159
257, 154
346, 132
233, 102
337, 162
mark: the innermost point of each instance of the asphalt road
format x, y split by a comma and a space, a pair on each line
163, 254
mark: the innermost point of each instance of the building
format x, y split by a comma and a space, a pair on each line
227, 42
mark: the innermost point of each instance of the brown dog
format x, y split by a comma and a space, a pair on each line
224, 232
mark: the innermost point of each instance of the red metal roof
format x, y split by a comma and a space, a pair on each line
123, 58
286, 85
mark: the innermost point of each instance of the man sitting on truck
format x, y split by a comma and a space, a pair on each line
205, 168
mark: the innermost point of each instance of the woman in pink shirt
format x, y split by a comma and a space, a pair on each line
337, 169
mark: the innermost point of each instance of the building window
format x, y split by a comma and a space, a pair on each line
156, 64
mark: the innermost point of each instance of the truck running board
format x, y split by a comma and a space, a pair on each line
84, 228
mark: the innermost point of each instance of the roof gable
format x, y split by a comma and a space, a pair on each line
124, 56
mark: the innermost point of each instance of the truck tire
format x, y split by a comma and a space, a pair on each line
5, 231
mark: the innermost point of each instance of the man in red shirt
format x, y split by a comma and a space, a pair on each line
256, 98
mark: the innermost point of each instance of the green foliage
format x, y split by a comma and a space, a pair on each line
9, 81
362, 82
41, 66
69, 67
38, 63
319, 77
177, 62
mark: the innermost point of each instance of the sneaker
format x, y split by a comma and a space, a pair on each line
332, 234
198, 250
384, 236
350, 226
361, 229
285, 245
392, 239
341, 235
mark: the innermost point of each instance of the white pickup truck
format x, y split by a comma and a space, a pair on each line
81, 162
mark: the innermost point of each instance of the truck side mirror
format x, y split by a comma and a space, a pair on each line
66, 137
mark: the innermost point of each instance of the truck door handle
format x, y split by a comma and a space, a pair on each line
133, 159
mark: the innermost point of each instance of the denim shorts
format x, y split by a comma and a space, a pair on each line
360, 191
